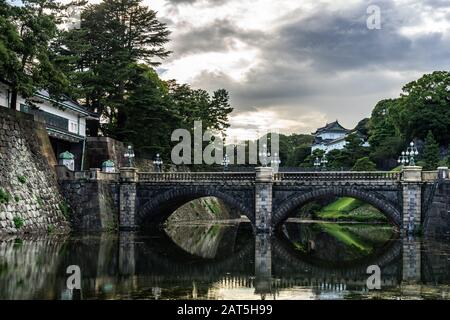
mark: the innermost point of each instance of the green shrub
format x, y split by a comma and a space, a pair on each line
17, 198
364, 164
22, 179
50, 228
40, 202
65, 209
18, 222
5, 197
111, 226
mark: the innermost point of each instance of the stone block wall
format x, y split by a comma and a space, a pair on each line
127, 206
437, 218
263, 206
100, 149
93, 204
29, 196
412, 204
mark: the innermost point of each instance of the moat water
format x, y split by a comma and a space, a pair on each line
227, 261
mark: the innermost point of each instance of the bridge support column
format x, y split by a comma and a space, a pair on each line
263, 264
127, 201
126, 254
412, 199
411, 260
263, 199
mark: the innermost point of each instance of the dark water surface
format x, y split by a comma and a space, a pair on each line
226, 261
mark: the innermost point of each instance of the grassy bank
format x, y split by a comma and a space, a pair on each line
344, 235
350, 209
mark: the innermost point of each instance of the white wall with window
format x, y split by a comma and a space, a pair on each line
75, 122
331, 135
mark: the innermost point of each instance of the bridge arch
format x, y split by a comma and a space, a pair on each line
374, 198
161, 206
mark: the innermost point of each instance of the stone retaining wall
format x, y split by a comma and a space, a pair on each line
437, 218
29, 196
94, 204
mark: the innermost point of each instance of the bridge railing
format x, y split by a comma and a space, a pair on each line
338, 175
429, 176
195, 176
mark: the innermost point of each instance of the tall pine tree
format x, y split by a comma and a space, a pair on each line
431, 152
101, 54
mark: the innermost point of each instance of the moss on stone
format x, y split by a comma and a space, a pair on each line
5, 197
50, 228
65, 209
22, 179
40, 202
18, 222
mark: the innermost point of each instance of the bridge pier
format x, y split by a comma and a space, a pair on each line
411, 260
412, 199
127, 200
127, 266
263, 199
263, 264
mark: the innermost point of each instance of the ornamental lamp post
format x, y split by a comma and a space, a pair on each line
403, 159
130, 155
225, 162
317, 163
324, 162
158, 163
412, 151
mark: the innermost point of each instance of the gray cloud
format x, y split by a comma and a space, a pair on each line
326, 62
220, 35
207, 2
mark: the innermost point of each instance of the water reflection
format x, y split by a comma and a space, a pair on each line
304, 261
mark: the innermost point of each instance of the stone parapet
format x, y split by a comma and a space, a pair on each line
412, 174
264, 174
128, 174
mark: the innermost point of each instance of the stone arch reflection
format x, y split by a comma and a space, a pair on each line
133, 265
204, 239
338, 244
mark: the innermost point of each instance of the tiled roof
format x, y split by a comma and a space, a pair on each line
65, 103
332, 127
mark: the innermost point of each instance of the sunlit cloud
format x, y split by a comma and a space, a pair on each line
234, 64
250, 125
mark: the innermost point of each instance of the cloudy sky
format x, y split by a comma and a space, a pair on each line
293, 65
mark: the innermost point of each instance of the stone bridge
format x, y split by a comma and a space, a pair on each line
265, 197
269, 198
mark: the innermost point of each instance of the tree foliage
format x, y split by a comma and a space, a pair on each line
26, 58
423, 107
100, 56
364, 164
431, 152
